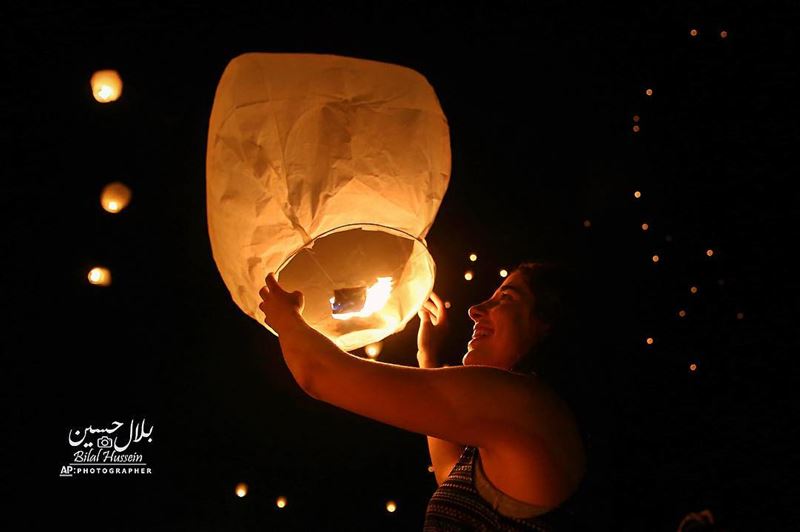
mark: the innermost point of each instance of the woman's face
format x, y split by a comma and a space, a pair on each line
505, 327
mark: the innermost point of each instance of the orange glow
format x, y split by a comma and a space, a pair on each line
106, 86
115, 197
693, 33
391, 506
710, 252
587, 223
649, 92
373, 350
645, 227
723, 34
430, 469
637, 194
281, 502
656, 258
740, 316
650, 341
635, 118
503, 273
693, 290
99, 276
377, 296
468, 275
636, 129
692, 367
682, 313
241, 489
446, 304
473, 257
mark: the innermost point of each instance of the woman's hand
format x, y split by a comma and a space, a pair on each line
433, 326
282, 310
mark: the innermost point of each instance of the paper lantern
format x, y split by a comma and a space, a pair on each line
329, 171
115, 197
106, 86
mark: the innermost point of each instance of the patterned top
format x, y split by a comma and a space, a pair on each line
468, 501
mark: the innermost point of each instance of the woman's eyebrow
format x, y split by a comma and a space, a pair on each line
511, 288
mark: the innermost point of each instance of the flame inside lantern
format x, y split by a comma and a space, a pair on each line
376, 297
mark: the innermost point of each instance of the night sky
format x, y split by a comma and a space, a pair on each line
540, 99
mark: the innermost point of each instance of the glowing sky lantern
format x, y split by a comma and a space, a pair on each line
106, 86
329, 171
115, 197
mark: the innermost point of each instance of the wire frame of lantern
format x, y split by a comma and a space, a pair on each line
361, 282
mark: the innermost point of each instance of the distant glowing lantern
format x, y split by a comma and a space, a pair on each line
99, 276
645, 227
446, 304
503, 273
106, 86
693, 290
692, 367
740, 315
241, 489
637, 194
468, 275
656, 258
473, 257
587, 223
710, 252
693, 33
650, 341
649, 92
635, 118
281, 502
636, 128
430, 469
723, 34
329, 171
373, 350
682, 313
391, 506
115, 197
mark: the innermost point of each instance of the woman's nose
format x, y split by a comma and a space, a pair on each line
477, 311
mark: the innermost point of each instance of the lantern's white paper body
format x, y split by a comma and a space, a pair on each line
329, 171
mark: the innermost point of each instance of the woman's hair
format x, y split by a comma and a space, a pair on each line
556, 303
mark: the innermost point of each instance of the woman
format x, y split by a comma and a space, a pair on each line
505, 447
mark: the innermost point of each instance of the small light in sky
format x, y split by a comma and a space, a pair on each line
241, 489
503, 273
656, 258
468, 275
430, 469
650, 341
115, 197
692, 367
473, 257
637, 194
587, 223
635, 118
645, 227
280, 502
391, 506
693, 290
106, 85
723, 34
374, 349
446, 304
636, 128
710, 252
693, 32
99, 276
682, 313
740, 316
649, 92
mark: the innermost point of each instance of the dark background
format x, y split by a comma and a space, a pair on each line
540, 98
